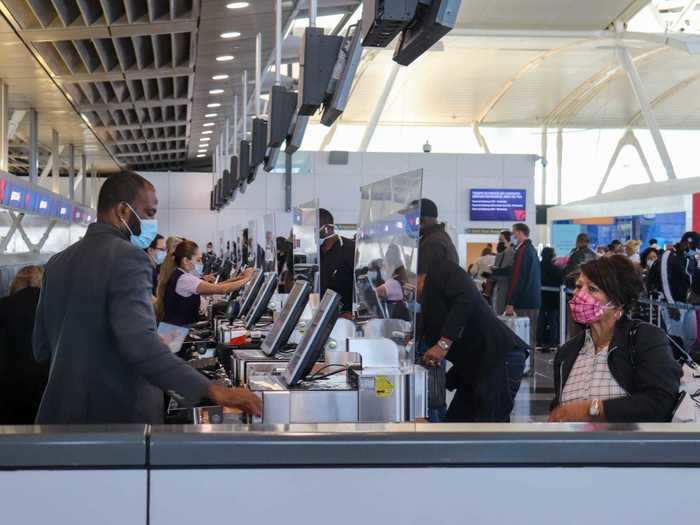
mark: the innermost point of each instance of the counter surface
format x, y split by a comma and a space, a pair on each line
73, 446
350, 445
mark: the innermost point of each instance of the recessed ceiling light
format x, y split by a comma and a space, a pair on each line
202, 150
208, 124
224, 58
208, 132
200, 156
214, 105
238, 5
204, 139
211, 115
219, 77
216, 91
230, 34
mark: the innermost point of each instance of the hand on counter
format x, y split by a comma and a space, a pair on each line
240, 398
577, 411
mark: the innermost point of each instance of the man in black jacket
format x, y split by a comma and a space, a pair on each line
337, 262
458, 324
435, 242
96, 323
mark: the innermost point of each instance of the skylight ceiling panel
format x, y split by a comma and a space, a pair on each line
158, 9
157, 113
106, 52
67, 11
181, 112
113, 10
69, 55
143, 49
90, 91
90, 10
105, 119
150, 89
125, 53
43, 10
88, 54
161, 88
121, 92
163, 50
151, 115
135, 89
181, 86
168, 113
181, 45
136, 11
105, 91
118, 117
131, 116
180, 8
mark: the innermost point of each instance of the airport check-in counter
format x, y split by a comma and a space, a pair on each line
379, 474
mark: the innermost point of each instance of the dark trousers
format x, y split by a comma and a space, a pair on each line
548, 327
491, 399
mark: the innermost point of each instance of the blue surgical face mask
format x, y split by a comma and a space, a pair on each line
198, 269
160, 256
149, 230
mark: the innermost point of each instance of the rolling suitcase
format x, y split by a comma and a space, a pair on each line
521, 327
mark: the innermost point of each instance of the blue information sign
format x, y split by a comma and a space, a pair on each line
497, 205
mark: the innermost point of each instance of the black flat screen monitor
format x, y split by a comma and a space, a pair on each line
259, 148
283, 105
343, 76
243, 165
288, 318
228, 184
431, 23
367, 297
252, 292
316, 335
263, 299
382, 20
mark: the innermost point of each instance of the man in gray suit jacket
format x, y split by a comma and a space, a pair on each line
96, 323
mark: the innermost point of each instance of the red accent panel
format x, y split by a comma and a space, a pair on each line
696, 212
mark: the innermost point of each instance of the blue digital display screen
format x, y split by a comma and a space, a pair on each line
498, 205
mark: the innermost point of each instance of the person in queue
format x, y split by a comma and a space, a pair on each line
500, 272
337, 262
548, 323
185, 286
618, 370
632, 251
525, 293
435, 242
96, 324
459, 325
156, 253
22, 379
579, 256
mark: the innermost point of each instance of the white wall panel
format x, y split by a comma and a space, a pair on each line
184, 197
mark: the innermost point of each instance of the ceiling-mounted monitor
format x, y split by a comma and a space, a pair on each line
218, 189
233, 169
317, 59
243, 165
297, 135
383, 20
343, 75
433, 20
271, 158
283, 104
227, 184
259, 147
211, 201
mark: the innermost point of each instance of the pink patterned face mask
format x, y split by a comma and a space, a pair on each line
585, 309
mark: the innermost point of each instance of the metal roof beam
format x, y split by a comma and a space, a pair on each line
102, 31
142, 126
131, 105
144, 141
150, 153
127, 75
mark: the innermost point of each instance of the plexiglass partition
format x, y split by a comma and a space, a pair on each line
386, 258
306, 243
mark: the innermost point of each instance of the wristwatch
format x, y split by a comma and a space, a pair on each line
594, 409
444, 345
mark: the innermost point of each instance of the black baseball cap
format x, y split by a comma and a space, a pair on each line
428, 209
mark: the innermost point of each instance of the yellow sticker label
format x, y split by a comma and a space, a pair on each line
383, 387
